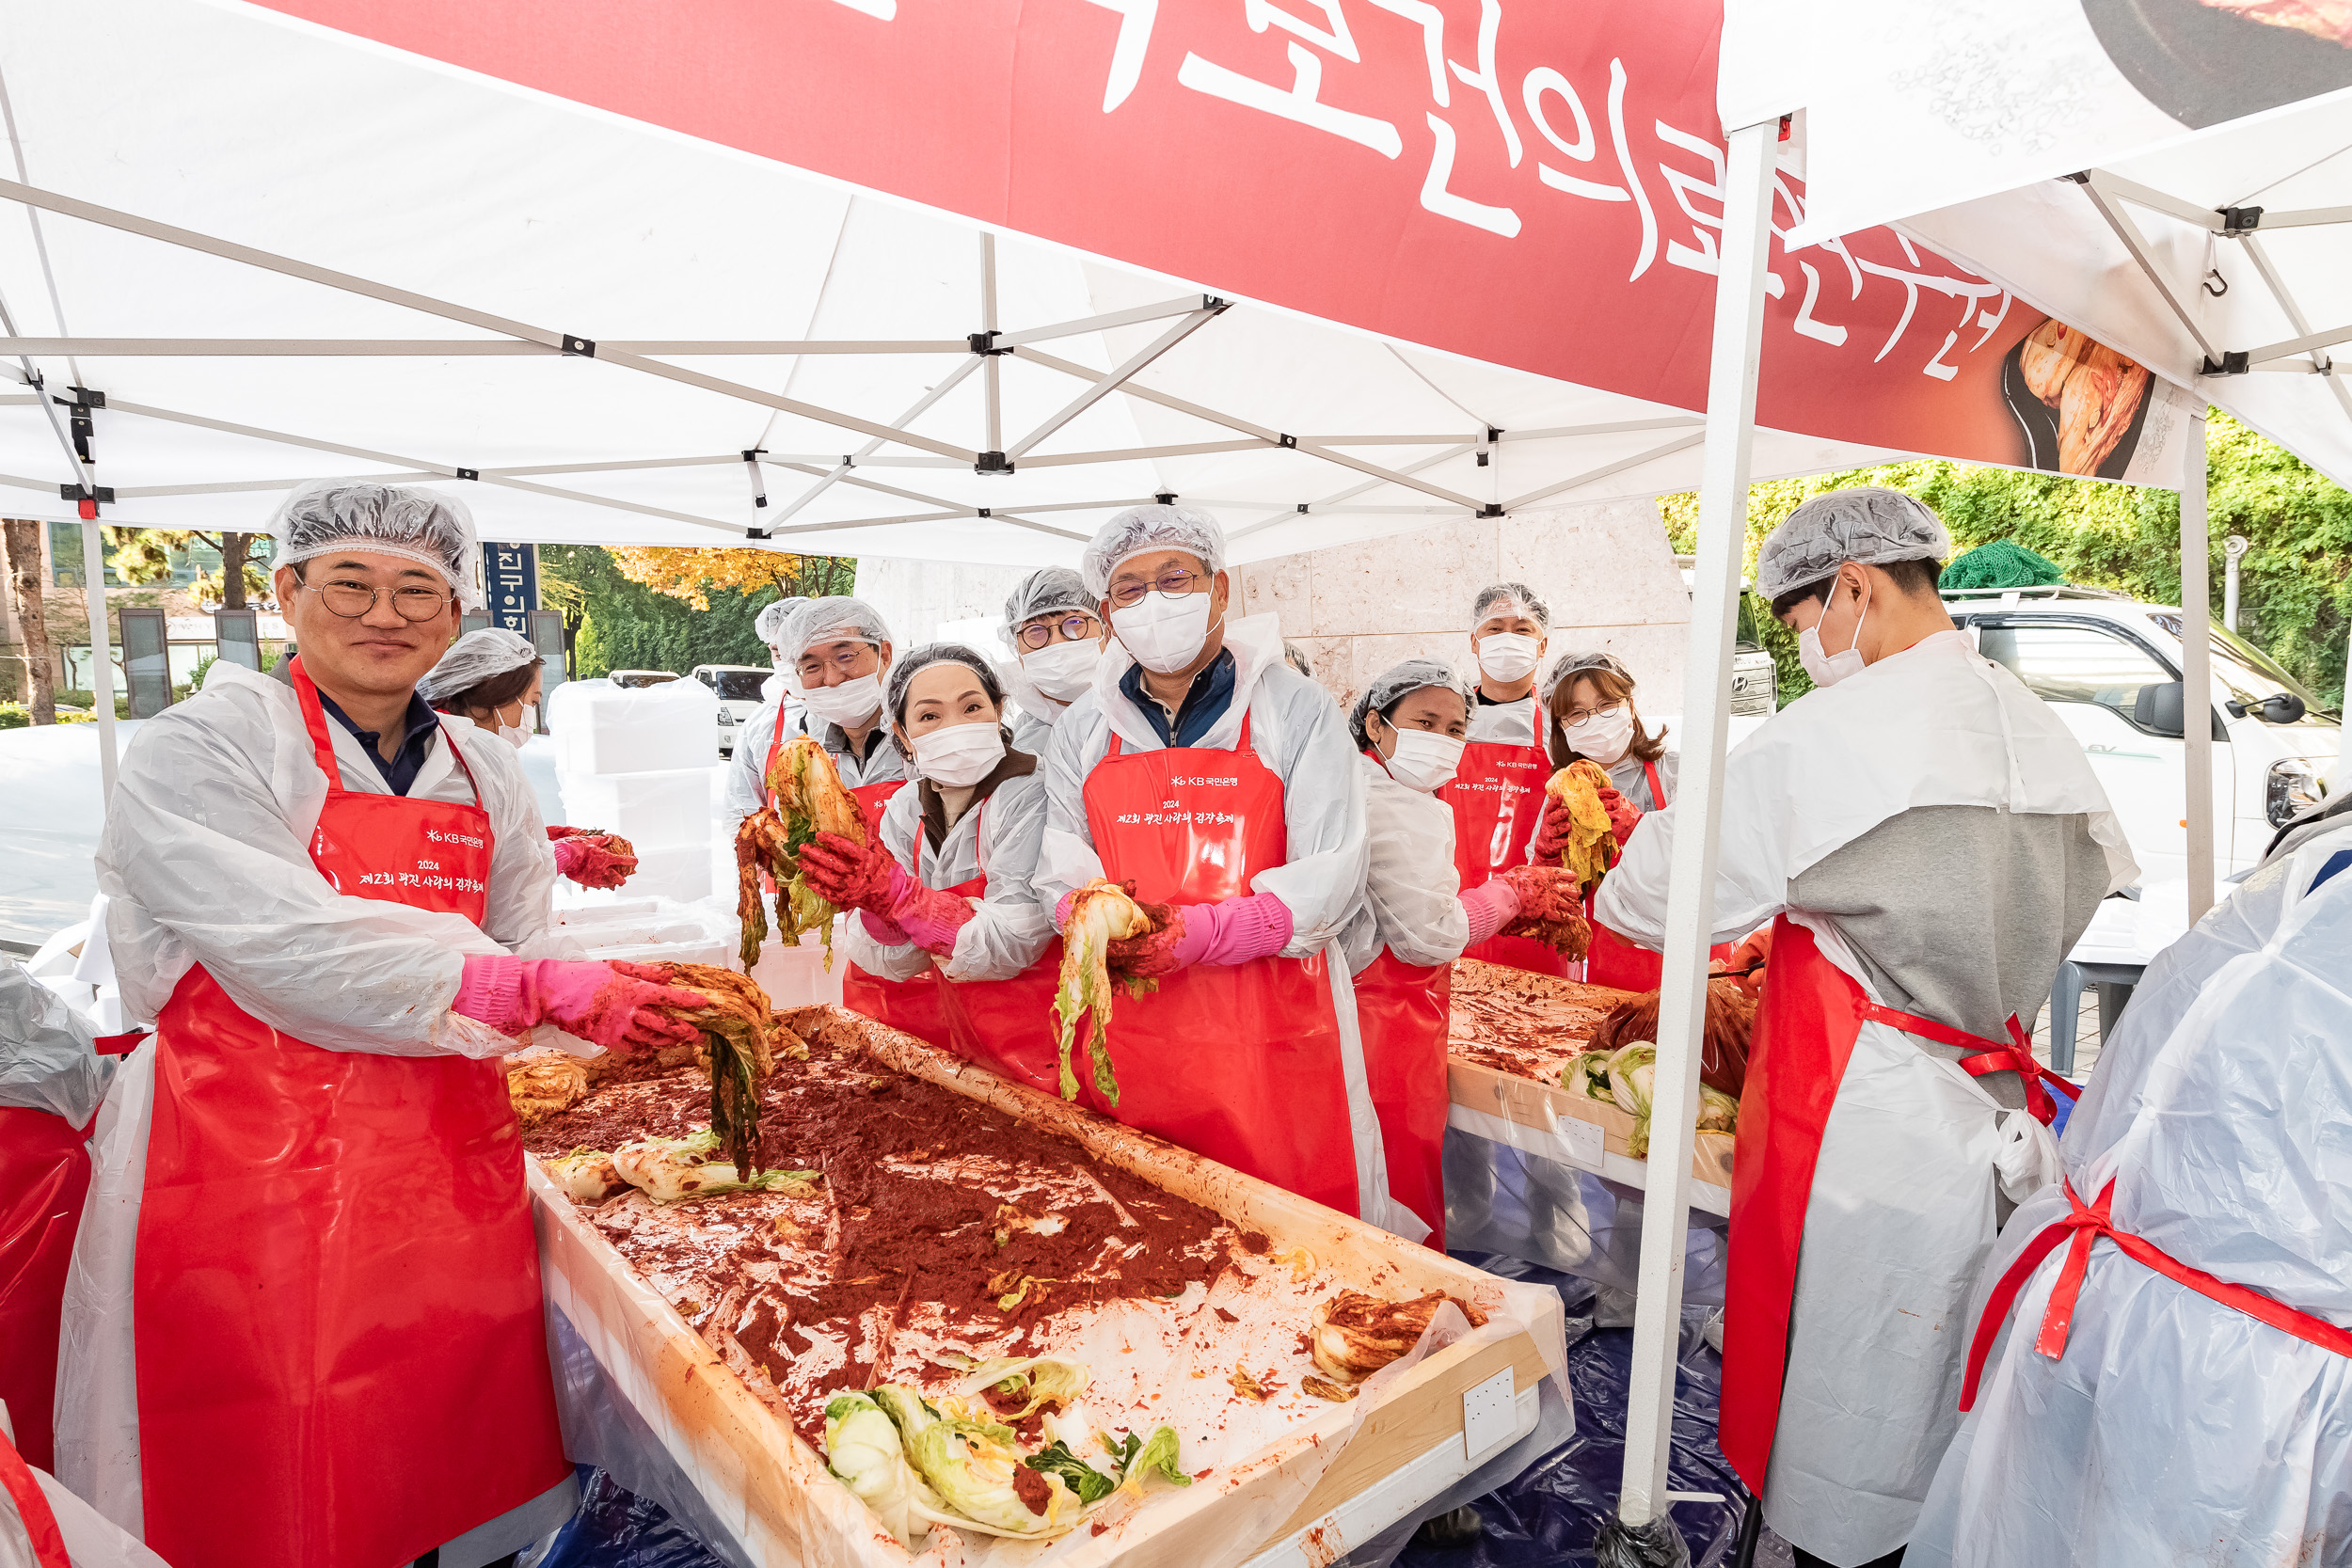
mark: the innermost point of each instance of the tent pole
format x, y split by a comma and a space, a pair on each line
102, 664
988, 324
2196, 673
1690, 904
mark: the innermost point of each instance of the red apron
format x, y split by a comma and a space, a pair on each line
1805, 1029
1612, 960
44, 1175
1007, 1026
1239, 1062
341, 1361
1498, 801
1402, 1010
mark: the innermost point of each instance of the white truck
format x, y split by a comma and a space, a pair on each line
737, 687
2110, 668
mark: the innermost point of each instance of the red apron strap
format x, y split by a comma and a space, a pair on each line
2016, 1055
32, 1508
120, 1045
2088, 1222
314, 720
1657, 789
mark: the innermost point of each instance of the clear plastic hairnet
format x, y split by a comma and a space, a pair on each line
771, 619
1570, 665
475, 658
1297, 659
423, 526
903, 675
835, 618
1870, 526
1511, 595
1047, 591
1150, 527
1399, 681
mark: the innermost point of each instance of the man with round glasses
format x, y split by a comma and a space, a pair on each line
302, 1322
1220, 784
1057, 640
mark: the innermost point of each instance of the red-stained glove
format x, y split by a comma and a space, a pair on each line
588, 860
611, 1004
1153, 954
1545, 894
1551, 834
1623, 814
851, 875
1755, 952
1230, 931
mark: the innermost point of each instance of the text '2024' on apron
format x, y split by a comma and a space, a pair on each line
341, 1361
1498, 801
1239, 1062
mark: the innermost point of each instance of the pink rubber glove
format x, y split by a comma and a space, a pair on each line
1231, 931
597, 1002
850, 874
931, 918
1491, 904
588, 860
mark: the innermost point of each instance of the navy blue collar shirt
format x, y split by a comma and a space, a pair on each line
1204, 703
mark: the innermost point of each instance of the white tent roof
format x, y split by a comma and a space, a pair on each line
515, 218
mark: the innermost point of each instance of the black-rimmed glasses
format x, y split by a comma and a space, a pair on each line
352, 600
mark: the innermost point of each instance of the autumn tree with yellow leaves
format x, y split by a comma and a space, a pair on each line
684, 572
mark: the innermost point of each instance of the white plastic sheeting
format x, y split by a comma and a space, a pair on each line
2174, 1428
240, 125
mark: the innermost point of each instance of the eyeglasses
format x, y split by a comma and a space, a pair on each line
352, 600
1592, 715
1172, 581
1074, 628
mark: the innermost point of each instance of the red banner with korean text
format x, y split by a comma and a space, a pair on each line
1534, 184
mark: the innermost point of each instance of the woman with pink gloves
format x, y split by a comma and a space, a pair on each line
948, 923
302, 1323
493, 677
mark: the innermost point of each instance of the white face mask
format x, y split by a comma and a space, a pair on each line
1507, 656
851, 703
959, 755
1423, 759
1063, 670
1164, 632
518, 736
1828, 668
1602, 736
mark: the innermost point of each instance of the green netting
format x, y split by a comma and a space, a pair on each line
2001, 564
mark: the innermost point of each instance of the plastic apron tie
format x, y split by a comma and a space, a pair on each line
2081, 1229
1990, 1055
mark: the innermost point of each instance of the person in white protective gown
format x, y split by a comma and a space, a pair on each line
1221, 782
302, 1327
1410, 726
1497, 793
1055, 638
949, 923
2161, 1345
779, 710
1931, 841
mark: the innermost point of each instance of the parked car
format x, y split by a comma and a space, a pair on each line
1754, 685
2110, 668
633, 679
739, 687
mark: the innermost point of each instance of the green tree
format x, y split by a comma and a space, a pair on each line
2295, 598
143, 555
613, 623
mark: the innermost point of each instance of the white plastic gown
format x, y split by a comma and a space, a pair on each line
1412, 903
46, 1061
999, 839
204, 861
1035, 714
1915, 1152
747, 771
1301, 736
2176, 1429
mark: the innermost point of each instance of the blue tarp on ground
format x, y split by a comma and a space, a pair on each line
1547, 1517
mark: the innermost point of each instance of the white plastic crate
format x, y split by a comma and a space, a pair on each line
602, 728
652, 810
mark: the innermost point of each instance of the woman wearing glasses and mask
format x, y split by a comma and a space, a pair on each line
944, 894
1056, 640
493, 676
1219, 782
1412, 724
303, 1320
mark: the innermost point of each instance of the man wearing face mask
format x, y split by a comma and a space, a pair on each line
948, 910
1411, 726
1217, 780
1931, 841
1497, 795
1055, 638
492, 676
831, 654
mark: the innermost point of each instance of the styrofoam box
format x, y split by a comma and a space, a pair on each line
797, 976
679, 871
651, 810
602, 728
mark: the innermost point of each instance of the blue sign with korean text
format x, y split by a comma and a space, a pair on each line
510, 584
